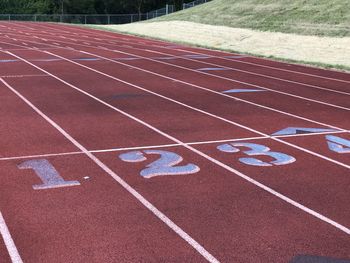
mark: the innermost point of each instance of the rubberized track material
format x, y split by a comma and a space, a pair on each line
116, 148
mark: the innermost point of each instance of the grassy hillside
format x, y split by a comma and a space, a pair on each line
308, 17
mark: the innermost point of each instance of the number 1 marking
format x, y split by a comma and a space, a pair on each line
47, 174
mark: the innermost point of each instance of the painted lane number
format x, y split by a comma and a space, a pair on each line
47, 173
165, 165
337, 144
257, 150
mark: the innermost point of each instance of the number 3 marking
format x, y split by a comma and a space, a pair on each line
257, 149
165, 165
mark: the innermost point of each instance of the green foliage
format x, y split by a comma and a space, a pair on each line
81, 6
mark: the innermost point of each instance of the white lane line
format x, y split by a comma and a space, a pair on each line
206, 89
161, 46
199, 248
38, 156
24, 76
160, 146
287, 70
179, 103
154, 210
245, 71
233, 80
295, 146
9, 243
209, 90
127, 148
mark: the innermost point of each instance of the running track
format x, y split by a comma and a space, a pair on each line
116, 148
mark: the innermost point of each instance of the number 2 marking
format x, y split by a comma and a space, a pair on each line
337, 144
165, 165
47, 174
257, 149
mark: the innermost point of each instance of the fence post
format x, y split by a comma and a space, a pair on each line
167, 9
9, 17
108, 19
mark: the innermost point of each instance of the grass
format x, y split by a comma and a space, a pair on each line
342, 68
307, 17
327, 18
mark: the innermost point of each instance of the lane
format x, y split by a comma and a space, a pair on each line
216, 189
202, 87
314, 80
11, 66
95, 221
298, 70
194, 68
320, 143
201, 111
190, 124
19, 130
244, 225
321, 98
98, 92
333, 86
302, 69
317, 246
306, 107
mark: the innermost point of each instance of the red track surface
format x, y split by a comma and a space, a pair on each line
79, 98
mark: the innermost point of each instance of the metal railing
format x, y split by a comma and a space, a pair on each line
168, 9
96, 18
194, 3
77, 18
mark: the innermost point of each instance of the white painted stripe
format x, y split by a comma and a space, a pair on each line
206, 89
228, 168
231, 79
219, 93
177, 102
269, 67
160, 146
162, 46
23, 76
199, 248
244, 71
9, 243
125, 149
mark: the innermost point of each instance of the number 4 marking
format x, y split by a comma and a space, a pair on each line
47, 174
337, 144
